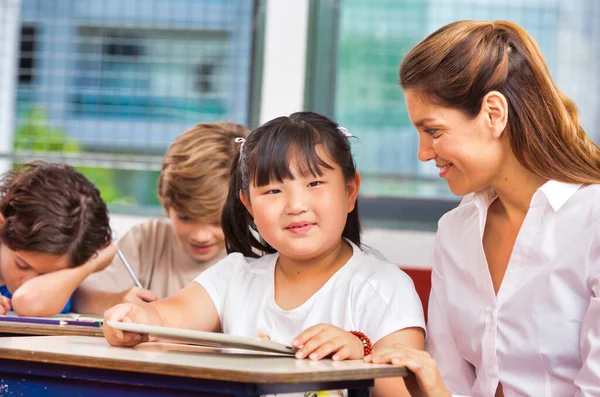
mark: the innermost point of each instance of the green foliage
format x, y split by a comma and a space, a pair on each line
36, 135
104, 179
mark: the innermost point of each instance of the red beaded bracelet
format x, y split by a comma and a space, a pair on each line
365, 341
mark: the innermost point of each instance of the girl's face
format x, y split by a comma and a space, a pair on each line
303, 218
17, 267
202, 241
468, 152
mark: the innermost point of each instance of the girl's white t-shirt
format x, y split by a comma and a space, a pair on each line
366, 294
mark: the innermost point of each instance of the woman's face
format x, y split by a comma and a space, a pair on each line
468, 151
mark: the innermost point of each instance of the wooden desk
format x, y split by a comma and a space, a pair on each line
88, 366
16, 329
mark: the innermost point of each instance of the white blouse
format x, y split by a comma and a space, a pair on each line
540, 336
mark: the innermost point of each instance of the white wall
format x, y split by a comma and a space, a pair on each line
284, 58
406, 248
9, 38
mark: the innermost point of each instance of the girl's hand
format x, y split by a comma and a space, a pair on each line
5, 305
126, 313
322, 340
428, 376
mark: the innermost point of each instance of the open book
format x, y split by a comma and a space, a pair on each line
59, 319
211, 339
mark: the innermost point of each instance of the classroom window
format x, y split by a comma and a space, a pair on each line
151, 74
27, 54
107, 86
370, 40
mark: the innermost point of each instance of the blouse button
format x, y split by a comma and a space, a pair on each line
491, 372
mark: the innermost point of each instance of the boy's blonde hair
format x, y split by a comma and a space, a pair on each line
195, 170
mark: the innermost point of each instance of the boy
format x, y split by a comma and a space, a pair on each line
166, 256
52, 225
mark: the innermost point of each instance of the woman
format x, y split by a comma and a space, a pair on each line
514, 307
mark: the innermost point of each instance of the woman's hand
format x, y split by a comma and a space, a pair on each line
126, 313
322, 340
428, 376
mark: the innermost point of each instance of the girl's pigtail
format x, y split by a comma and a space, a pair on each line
234, 219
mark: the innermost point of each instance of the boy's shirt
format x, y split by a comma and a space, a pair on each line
158, 259
5, 292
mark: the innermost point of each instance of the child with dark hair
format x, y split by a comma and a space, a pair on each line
52, 225
296, 272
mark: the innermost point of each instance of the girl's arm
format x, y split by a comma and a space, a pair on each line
191, 308
47, 295
411, 337
441, 347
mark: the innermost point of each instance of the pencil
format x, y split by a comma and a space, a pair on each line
129, 269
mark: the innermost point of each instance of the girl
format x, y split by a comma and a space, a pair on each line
296, 272
515, 301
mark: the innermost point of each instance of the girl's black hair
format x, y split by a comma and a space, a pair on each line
266, 155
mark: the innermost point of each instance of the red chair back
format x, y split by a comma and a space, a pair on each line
422, 280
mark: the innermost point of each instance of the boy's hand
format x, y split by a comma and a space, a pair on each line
5, 305
126, 313
428, 377
322, 340
136, 296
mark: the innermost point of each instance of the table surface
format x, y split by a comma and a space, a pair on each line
188, 361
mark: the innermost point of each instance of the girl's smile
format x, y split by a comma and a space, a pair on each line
300, 227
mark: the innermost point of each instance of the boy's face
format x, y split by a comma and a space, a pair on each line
17, 267
202, 241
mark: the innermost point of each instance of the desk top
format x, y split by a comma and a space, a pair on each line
48, 329
188, 361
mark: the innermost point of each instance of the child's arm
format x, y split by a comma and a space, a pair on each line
191, 308
94, 301
47, 295
411, 338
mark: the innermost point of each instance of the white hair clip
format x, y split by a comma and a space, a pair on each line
240, 140
344, 131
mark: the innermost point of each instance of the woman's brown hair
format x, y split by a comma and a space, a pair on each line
52, 209
195, 170
457, 65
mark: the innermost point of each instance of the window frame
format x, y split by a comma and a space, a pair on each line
404, 213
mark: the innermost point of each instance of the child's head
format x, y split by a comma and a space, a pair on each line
294, 182
52, 217
193, 185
